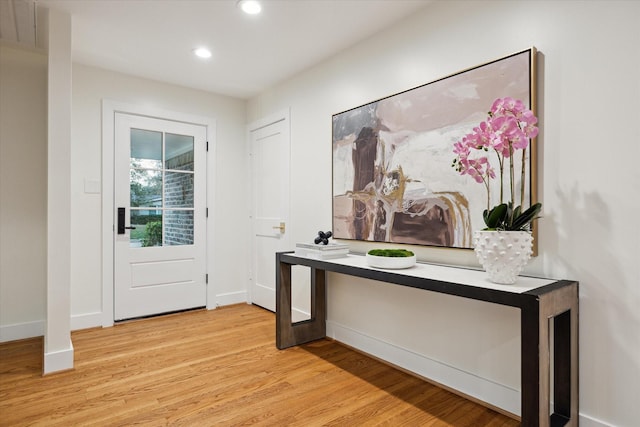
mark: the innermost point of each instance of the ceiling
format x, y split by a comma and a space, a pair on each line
154, 39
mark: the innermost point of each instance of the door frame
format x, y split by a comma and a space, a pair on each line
282, 115
109, 109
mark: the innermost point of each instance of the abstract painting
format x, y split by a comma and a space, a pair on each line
392, 175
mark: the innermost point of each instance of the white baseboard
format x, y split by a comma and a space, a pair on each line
231, 298
587, 421
61, 360
469, 384
20, 331
298, 315
86, 321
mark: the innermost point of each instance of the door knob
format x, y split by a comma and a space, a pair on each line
281, 227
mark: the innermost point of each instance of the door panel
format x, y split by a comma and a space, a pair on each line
270, 172
162, 272
160, 178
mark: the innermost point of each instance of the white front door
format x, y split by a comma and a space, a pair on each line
269, 147
160, 216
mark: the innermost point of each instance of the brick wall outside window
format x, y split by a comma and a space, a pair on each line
178, 188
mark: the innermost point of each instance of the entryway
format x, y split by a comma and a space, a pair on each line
160, 216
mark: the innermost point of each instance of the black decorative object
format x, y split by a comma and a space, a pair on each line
323, 237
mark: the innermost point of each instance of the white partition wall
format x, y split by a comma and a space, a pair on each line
58, 349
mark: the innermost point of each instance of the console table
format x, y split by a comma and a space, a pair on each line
539, 301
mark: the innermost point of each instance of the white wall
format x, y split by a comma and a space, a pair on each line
589, 65
90, 86
23, 192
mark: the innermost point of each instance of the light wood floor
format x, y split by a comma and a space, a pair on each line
219, 367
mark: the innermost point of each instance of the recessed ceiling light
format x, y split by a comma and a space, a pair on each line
202, 52
252, 7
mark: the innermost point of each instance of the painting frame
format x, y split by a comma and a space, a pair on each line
392, 180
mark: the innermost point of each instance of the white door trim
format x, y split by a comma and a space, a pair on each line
282, 115
109, 109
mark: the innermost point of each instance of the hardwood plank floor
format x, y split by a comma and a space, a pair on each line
222, 368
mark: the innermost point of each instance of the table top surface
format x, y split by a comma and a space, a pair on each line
451, 274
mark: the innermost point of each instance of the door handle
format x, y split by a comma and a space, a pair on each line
121, 226
280, 227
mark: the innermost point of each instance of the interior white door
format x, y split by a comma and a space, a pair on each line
270, 174
160, 216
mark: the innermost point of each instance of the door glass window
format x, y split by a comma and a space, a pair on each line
146, 149
178, 227
146, 188
148, 228
178, 189
179, 154
162, 189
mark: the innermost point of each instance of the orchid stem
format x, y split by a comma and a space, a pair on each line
522, 176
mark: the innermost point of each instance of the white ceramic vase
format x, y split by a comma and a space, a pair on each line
503, 254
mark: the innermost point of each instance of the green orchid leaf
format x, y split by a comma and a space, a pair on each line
516, 212
523, 221
496, 216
